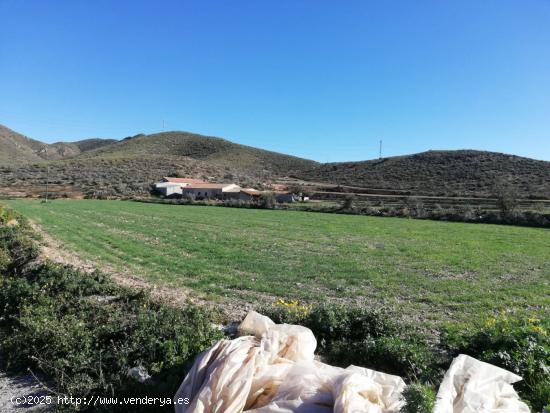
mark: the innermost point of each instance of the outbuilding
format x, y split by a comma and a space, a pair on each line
285, 197
174, 186
215, 191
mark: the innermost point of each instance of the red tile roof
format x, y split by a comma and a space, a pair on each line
183, 180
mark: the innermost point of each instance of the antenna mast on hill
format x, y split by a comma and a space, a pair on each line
380, 151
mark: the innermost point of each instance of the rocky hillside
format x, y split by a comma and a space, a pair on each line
128, 166
17, 149
441, 173
118, 168
217, 152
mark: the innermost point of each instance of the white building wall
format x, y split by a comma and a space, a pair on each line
169, 190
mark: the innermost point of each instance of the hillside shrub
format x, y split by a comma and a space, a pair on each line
518, 345
347, 203
84, 333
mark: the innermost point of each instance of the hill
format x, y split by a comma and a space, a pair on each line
86, 145
217, 152
128, 167
441, 173
107, 177
17, 149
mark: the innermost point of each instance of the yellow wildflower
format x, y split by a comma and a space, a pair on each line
540, 330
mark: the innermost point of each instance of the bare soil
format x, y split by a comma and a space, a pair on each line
22, 394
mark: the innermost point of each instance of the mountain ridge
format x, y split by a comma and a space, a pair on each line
16, 147
136, 161
441, 173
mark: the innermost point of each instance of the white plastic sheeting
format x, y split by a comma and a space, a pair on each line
272, 370
472, 386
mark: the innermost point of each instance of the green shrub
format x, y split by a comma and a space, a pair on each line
267, 201
507, 197
521, 346
370, 338
7, 215
419, 398
84, 333
361, 336
347, 204
406, 356
17, 248
5, 260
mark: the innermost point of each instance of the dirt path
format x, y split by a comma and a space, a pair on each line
54, 250
22, 394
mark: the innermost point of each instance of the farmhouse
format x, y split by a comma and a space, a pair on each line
221, 191
206, 190
198, 189
174, 186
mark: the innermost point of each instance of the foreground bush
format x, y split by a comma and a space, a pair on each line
371, 338
419, 398
521, 346
85, 333
361, 336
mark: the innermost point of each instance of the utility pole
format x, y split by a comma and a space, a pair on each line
380, 151
163, 125
47, 180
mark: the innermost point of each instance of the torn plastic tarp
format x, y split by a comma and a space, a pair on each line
272, 370
472, 386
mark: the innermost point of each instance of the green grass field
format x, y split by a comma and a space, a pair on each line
429, 271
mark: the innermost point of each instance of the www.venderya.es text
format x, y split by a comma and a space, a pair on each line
97, 401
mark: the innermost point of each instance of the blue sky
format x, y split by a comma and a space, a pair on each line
324, 80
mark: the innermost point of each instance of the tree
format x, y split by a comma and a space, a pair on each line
267, 200
299, 190
507, 197
347, 205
